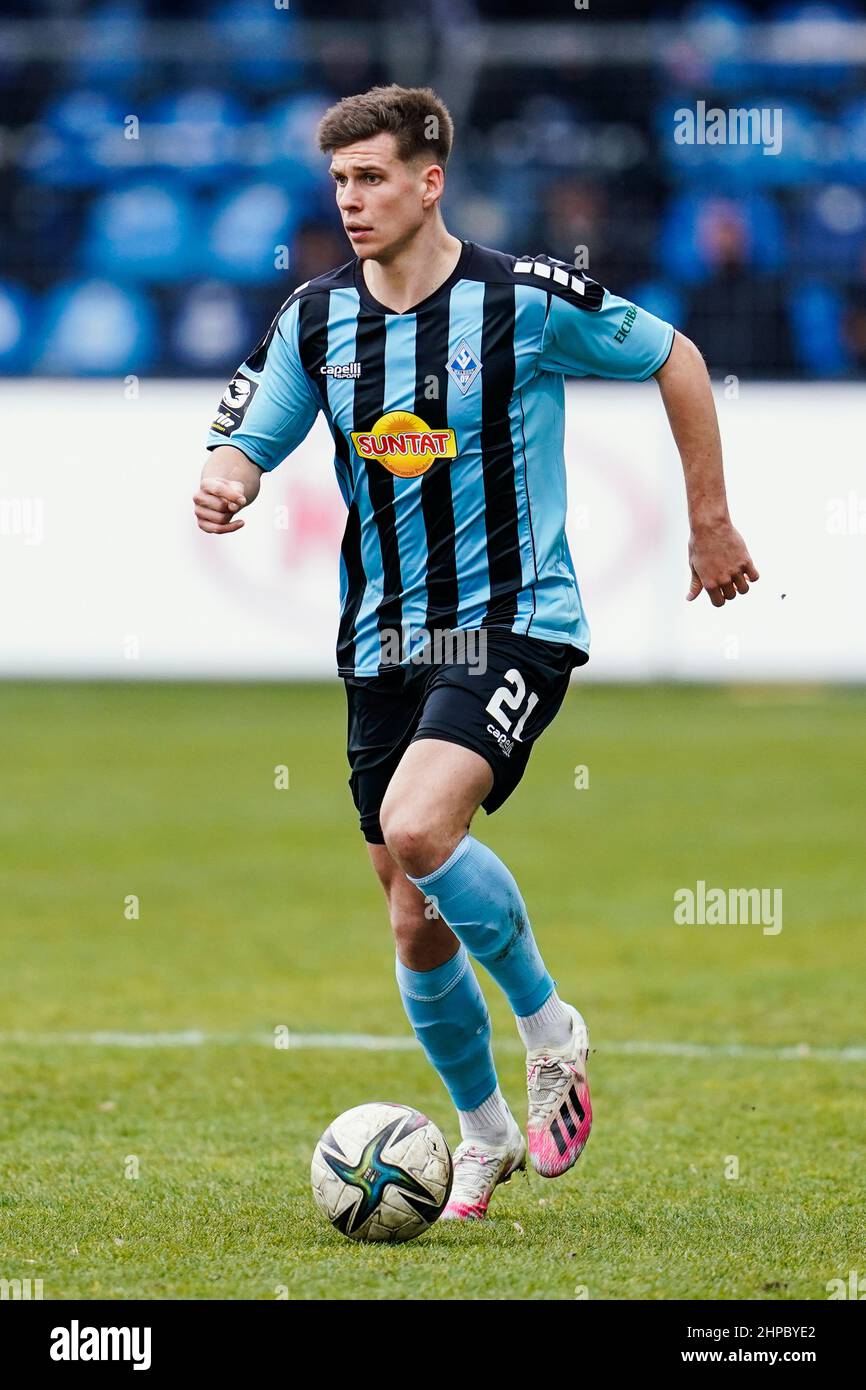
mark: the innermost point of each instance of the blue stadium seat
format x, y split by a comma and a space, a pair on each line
115, 54
247, 227
72, 139
199, 132
96, 328
260, 43
852, 161
16, 328
660, 298
830, 230
816, 312
212, 330
817, 27
291, 127
713, 45
147, 231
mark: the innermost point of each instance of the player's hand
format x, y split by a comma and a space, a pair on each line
216, 502
720, 563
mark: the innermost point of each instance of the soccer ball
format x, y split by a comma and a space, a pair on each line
382, 1172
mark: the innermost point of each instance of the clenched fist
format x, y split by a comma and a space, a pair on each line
216, 502
720, 563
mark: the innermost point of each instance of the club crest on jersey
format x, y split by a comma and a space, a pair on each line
404, 444
464, 366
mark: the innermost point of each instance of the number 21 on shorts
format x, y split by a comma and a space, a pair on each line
512, 699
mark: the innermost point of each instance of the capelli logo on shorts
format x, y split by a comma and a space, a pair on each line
77, 1343
505, 743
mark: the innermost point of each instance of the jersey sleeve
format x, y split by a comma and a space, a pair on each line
615, 339
269, 405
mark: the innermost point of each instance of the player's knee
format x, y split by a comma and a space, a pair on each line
413, 843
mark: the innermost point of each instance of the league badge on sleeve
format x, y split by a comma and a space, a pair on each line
234, 404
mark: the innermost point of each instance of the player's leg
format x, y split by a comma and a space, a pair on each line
449, 1016
423, 941
443, 1002
425, 817
438, 986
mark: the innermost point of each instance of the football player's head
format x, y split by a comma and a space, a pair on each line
388, 149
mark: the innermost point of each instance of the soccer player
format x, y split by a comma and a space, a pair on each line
438, 365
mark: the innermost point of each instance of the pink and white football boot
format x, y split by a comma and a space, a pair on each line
560, 1113
479, 1168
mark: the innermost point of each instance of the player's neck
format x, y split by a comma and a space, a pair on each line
414, 272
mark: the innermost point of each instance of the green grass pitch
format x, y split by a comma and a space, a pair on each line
257, 908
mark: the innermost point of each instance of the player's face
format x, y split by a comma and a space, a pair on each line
382, 200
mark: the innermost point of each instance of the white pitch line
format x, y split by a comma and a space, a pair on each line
370, 1042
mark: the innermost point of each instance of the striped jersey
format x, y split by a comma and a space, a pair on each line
448, 425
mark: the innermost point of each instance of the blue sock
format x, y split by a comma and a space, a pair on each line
477, 896
447, 1011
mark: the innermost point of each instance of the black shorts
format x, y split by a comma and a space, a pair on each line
498, 712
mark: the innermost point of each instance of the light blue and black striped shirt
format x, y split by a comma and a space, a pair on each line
448, 424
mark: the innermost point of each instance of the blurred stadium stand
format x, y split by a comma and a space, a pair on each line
162, 191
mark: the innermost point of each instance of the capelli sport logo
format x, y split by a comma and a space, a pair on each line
404, 444
505, 743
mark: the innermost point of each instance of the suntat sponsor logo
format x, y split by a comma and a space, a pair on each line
404, 443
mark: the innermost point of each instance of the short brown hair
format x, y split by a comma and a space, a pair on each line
420, 122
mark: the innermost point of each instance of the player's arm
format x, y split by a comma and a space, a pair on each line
719, 559
596, 333
267, 409
229, 481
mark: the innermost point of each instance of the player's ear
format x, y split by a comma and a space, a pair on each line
434, 184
